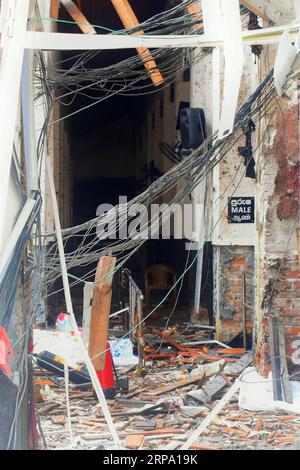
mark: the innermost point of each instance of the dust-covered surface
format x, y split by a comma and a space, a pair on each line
165, 403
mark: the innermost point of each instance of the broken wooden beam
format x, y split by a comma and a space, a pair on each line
255, 10
129, 20
203, 447
54, 9
195, 11
169, 340
77, 15
206, 371
101, 303
175, 385
232, 351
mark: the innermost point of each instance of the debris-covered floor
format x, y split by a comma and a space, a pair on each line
166, 401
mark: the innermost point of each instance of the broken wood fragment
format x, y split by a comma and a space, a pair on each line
130, 21
257, 11
169, 340
207, 371
232, 351
59, 419
78, 17
134, 441
135, 392
178, 384
54, 9
203, 447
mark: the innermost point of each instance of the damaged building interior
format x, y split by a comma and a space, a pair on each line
149, 225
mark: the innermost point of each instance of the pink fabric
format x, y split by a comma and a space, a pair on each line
6, 351
61, 316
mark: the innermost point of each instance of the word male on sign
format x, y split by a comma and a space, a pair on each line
241, 210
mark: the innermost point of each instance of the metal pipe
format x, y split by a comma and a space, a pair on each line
197, 301
244, 310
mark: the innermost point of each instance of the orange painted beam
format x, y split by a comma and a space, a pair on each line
255, 10
78, 17
54, 9
129, 20
195, 11
233, 351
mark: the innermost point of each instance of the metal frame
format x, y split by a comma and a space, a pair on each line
14, 21
136, 298
67, 41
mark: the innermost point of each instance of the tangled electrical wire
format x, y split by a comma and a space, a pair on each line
127, 77
189, 173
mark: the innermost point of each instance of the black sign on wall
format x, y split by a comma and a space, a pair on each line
241, 210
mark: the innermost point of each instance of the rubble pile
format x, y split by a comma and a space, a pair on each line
167, 400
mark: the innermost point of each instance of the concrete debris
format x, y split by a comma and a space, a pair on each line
256, 393
165, 406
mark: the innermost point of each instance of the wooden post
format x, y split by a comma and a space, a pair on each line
101, 302
78, 16
129, 20
54, 9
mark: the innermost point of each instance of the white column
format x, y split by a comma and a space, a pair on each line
14, 21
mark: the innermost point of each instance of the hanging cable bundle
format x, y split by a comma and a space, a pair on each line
188, 173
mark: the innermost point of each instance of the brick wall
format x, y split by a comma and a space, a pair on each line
277, 266
229, 263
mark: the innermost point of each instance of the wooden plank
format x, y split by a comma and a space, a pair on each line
54, 9
101, 303
202, 447
178, 384
170, 340
255, 10
78, 17
207, 371
196, 12
129, 20
235, 351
